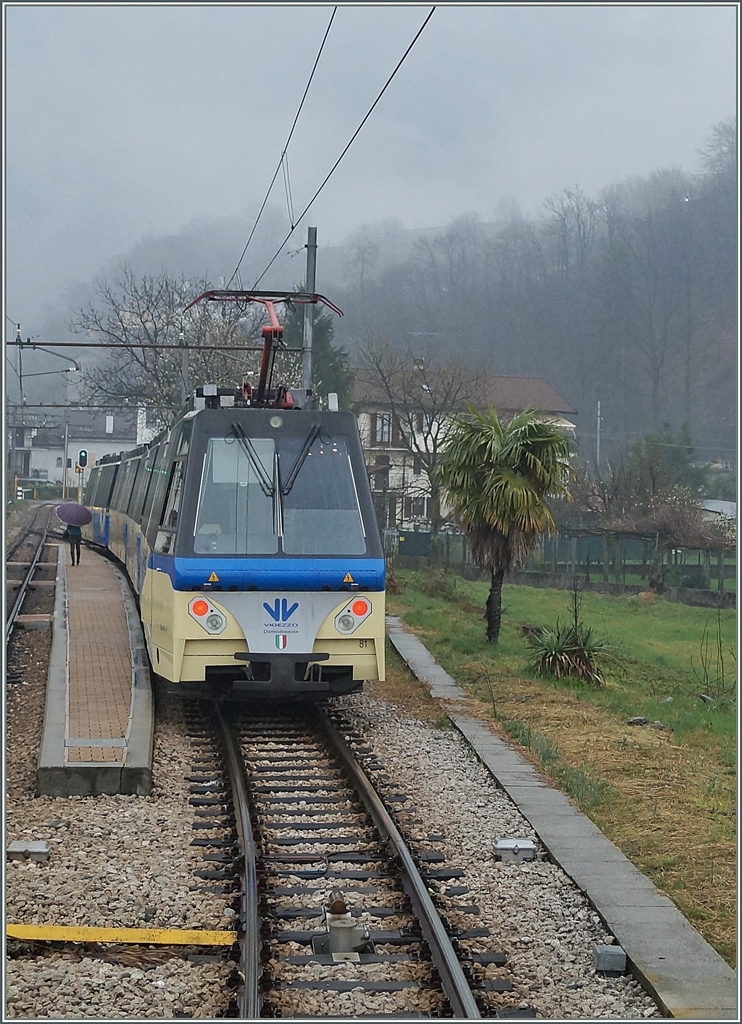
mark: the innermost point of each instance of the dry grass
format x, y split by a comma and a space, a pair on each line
670, 811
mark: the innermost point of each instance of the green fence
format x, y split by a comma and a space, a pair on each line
608, 558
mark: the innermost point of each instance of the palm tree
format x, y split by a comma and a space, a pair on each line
496, 476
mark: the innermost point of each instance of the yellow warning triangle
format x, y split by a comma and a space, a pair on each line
348, 578
213, 578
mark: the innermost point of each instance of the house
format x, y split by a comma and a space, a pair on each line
716, 510
45, 444
403, 431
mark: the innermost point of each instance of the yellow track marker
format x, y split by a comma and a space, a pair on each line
143, 936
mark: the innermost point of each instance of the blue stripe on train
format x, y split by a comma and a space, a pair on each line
302, 574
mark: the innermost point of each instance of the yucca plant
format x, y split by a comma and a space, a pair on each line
566, 651
570, 649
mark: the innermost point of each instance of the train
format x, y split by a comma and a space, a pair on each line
248, 534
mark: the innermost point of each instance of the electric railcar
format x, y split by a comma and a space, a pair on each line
248, 533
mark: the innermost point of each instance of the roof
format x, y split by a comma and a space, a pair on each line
721, 508
86, 424
513, 394
508, 395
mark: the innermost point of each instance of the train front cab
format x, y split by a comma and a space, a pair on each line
266, 573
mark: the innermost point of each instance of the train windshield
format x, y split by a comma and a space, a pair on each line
264, 496
319, 502
235, 514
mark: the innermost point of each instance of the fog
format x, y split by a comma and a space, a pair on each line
128, 123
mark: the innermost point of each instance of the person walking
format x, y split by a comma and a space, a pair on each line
74, 536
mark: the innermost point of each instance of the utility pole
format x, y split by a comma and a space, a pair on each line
597, 447
13, 474
311, 284
19, 343
66, 445
185, 385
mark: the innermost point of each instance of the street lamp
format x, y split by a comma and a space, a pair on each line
45, 373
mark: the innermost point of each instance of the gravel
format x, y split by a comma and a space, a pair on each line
537, 915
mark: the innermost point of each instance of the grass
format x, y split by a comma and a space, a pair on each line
664, 793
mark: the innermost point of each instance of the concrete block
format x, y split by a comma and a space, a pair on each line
609, 958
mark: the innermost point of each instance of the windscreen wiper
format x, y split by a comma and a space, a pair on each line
300, 458
253, 458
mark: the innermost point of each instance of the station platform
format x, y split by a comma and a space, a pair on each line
672, 960
99, 716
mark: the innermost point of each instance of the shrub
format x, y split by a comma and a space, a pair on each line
571, 649
567, 650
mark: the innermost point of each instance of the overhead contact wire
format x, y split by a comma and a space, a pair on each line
350, 143
285, 148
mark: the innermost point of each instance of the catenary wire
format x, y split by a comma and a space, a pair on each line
350, 143
285, 148
287, 189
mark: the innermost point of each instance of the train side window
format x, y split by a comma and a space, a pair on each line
134, 486
91, 488
118, 497
168, 522
150, 484
117, 486
157, 491
184, 441
143, 485
106, 485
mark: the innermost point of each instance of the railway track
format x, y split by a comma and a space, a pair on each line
23, 562
336, 916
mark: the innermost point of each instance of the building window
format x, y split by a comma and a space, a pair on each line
59, 462
381, 476
415, 508
417, 466
383, 428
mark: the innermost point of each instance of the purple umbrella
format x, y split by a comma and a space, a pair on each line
74, 514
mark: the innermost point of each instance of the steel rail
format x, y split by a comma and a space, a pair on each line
249, 1000
23, 532
25, 583
455, 986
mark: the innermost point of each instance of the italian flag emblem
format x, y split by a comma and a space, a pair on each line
281, 641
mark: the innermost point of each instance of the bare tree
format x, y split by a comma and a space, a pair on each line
135, 318
422, 393
570, 228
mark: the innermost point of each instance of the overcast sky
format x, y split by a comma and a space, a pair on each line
131, 121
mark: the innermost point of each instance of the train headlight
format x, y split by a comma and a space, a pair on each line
215, 622
207, 616
350, 618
